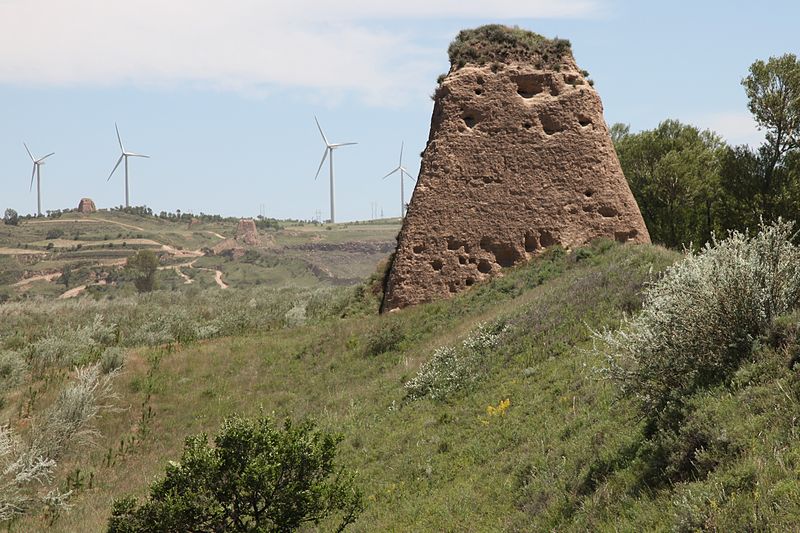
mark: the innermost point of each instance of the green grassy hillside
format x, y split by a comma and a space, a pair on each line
527, 437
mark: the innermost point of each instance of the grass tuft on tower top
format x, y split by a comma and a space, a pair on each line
496, 43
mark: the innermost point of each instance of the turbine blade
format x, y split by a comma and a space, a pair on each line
325, 155
33, 175
131, 154
401, 152
390, 173
321, 132
115, 166
119, 138
45, 157
29, 152
338, 145
409, 175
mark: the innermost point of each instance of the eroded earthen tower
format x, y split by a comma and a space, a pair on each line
519, 158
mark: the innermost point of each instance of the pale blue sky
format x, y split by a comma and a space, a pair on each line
222, 94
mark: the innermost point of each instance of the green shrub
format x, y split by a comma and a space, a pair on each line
700, 320
113, 358
451, 369
383, 339
257, 477
495, 43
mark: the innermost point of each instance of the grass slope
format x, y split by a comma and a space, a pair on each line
567, 454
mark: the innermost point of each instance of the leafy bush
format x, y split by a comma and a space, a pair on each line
699, 322
453, 368
10, 217
384, 338
113, 359
54, 233
257, 477
143, 266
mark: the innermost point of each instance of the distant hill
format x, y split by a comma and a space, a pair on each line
93, 248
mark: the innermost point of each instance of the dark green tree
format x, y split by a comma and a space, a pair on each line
257, 478
66, 276
11, 217
773, 93
142, 266
673, 172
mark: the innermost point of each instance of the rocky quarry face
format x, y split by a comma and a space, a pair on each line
519, 158
86, 205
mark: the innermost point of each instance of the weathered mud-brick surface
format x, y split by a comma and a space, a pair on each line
86, 205
246, 232
519, 158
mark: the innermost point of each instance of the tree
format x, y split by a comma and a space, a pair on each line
257, 477
143, 266
673, 172
66, 275
773, 93
11, 218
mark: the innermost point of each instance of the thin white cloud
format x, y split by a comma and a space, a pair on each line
736, 127
247, 45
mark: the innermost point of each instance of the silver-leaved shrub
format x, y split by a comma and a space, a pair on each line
700, 320
452, 368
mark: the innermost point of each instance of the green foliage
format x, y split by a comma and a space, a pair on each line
384, 338
700, 320
256, 477
54, 233
453, 368
10, 217
497, 43
673, 172
143, 266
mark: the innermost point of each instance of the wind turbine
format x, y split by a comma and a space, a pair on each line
37, 173
329, 148
125, 155
403, 171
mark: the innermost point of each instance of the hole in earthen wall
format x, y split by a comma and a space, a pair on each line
479, 91
484, 266
550, 125
624, 236
462, 260
505, 254
454, 243
527, 125
437, 264
531, 243
470, 282
547, 239
588, 193
470, 121
584, 121
529, 85
418, 248
607, 211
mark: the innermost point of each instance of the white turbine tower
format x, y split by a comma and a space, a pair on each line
329, 148
403, 172
125, 155
37, 173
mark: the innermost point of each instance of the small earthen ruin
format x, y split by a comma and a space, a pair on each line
86, 205
519, 158
246, 232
